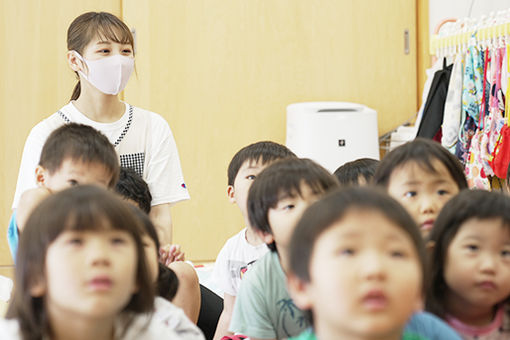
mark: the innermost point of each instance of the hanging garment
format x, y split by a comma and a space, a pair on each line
475, 172
485, 116
502, 149
433, 111
494, 121
453, 106
472, 91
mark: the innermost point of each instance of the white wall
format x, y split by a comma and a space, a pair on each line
441, 9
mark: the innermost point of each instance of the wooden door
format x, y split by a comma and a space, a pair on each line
223, 72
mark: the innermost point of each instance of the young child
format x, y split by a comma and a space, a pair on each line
356, 173
166, 284
422, 176
276, 200
244, 248
135, 190
81, 272
73, 154
470, 265
357, 267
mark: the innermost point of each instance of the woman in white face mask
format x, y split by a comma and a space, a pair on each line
101, 53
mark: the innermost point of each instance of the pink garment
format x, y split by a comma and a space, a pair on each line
498, 329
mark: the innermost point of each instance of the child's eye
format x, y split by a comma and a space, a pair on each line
75, 241
472, 247
127, 51
505, 253
410, 194
289, 207
118, 240
251, 177
72, 182
346, 252
104, 50
443, 192
397, 254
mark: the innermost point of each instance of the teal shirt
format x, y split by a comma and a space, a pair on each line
263, 307
309, 335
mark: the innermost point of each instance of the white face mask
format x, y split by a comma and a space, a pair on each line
109, 75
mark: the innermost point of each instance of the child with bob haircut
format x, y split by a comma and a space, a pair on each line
81, 272
243, 249
357, 267
470, 265
422, 176
276, 200
73, 154
357, 173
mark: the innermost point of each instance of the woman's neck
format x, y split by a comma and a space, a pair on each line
98, 106
467, 313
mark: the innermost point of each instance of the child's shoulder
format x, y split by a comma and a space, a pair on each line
27, 202
174, 318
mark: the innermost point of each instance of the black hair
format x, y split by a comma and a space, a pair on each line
263, 152
168, 282
284, 178
468, 204
350, 173
332, 208
80, 143
132, 186
80, 208
422, 152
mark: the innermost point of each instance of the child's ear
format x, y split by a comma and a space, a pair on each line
74, 62
37, 288
266, 237
298, 290
230, 193
40, 175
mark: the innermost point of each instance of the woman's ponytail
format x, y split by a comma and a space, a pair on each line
76, 91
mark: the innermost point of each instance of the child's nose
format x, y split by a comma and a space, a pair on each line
428, 205
372, 267
98, 253
487, 263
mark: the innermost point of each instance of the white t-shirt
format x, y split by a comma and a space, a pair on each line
142, 327
143, 140
174, 317
234, 259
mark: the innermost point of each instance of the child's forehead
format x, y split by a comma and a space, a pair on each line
359, 223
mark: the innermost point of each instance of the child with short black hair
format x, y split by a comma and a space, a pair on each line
276, 200
357, 173
421, 175
357, 267
470, 265
73, 154
244, 248
81, 272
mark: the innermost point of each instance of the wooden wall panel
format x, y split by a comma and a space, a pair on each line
223, 72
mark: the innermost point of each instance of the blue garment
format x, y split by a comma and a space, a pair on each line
13, 235
431, 327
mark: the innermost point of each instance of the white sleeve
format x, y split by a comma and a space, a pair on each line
29, 161
163, 173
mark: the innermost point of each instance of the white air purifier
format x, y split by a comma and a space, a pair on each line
332, 133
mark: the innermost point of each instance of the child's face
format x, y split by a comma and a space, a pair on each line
73, 172
151, 256
238, 193
98, 48
89, 274
477, 265
422, 192
365, 278
284, 216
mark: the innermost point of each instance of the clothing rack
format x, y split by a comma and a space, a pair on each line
486, 31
